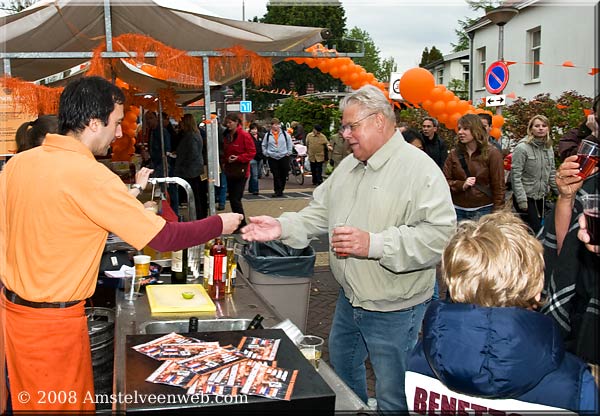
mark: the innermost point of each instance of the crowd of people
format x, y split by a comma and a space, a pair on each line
517, 326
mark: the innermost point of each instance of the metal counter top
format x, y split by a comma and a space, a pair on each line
130, 318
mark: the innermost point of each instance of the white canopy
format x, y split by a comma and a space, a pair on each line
78, 26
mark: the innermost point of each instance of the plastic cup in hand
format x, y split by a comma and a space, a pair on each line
592, 217
311, 347
142, 265
587, 157
132, 285
339, 255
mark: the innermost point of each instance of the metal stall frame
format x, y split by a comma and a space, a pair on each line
212, 139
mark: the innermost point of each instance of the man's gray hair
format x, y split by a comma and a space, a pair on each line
372, 98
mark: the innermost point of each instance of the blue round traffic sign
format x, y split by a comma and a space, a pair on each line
496, 77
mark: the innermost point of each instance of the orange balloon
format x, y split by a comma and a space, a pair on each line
427, 104
416, 85
442, 118
334, 71
454, 118
448, 95
436, 93
438, 107
462, 106
497, 121
496, 133
451, 106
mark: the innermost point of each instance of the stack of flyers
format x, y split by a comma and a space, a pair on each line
262, 349
208, 368
173, 374
173, 347
212, 360
270, 382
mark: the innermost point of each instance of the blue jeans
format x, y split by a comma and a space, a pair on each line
253, 182
221, 191
387, 338
462, 214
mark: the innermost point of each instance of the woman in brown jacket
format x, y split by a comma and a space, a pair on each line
474, 171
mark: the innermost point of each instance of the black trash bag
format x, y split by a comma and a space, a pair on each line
275, 258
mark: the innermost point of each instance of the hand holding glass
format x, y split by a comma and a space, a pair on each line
587, 157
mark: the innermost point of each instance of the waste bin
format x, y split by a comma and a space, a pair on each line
282, 275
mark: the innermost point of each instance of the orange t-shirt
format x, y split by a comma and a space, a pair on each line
57, 205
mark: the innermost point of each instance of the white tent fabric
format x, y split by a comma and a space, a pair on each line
79, 26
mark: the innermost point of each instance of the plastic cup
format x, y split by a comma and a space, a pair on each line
311, 347
132, 285
592, 217
142, 265
587, 157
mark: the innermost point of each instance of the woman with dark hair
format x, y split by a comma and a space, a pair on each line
474, 171
238, 151
189, 164
32, 133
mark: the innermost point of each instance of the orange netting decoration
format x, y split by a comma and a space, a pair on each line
31, 98
176, 66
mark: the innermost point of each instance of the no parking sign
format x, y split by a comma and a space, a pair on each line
496, 77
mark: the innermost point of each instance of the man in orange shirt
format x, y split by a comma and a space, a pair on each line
57, 205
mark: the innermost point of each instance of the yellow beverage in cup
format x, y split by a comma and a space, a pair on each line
142, 265
312, 355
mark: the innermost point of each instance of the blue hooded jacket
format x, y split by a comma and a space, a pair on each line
502, 353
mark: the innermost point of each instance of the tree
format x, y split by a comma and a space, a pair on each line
388, 66
331, 16
459, 88
309, 112
475, 5
430, 55
15, 6
371, 62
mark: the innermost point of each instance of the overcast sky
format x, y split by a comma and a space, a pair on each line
400, 28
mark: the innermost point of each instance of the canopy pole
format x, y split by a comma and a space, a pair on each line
212, 140
108, 26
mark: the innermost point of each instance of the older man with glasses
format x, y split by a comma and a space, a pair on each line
388, 213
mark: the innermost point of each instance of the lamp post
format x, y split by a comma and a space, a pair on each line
500, 17
244, 80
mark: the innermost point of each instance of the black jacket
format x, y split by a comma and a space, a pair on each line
436, 149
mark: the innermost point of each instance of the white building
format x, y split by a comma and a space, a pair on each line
454, 66
541, 40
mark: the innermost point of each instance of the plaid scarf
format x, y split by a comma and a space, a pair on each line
572, 283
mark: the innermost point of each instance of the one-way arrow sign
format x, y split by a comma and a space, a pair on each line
495, 100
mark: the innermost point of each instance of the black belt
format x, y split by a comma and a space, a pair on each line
18, 300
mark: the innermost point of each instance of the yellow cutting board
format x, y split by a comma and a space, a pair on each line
168, 298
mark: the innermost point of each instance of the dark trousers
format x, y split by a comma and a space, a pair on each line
200, 190
279, 169
534, 214
316, 170
236, 191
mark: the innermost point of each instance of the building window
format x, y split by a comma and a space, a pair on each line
481, 64
440, 76
535, 47
466, 74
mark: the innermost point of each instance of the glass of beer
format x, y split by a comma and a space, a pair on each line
311, 347
587, 157
592, 217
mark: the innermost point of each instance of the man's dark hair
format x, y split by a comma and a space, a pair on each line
433, 121
486, 116
411, 135
85, 99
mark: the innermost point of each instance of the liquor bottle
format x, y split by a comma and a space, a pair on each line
230, 246
179, 266
256, 322
193, 325
219, 253
208, 265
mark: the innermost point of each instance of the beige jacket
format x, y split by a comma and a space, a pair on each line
316, 147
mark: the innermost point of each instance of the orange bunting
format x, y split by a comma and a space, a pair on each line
31, 98
594, 71
568, 64
509, 63
511, 95
561, 106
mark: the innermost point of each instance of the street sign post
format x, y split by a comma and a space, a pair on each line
495, 100
496, 77
245, 106
394, 91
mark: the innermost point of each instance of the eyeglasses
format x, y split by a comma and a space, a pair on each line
353, 126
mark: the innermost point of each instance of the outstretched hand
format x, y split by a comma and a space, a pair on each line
261, 228
231, 221
584, 236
